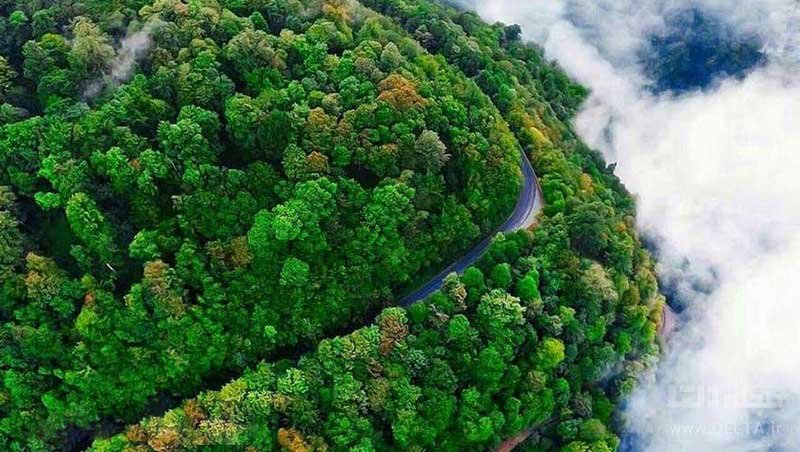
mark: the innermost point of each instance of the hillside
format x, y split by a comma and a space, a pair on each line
196, 190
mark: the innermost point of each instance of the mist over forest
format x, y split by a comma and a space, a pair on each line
695, 102
371, 225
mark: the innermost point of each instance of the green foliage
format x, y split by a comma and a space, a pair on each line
294, 273
550, 353
528, 287
501, 276
446, 375
90, 226
271, 173
10, 236
274, 173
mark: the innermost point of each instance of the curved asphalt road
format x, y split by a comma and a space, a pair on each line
523, 217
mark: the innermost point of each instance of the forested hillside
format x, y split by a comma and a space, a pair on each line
483, 360
191, 189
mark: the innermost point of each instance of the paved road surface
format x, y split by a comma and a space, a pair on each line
523, 217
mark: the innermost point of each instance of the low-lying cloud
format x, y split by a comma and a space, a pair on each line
717, 176
132, 48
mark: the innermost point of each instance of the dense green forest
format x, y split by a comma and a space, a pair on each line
195, 190
483, 360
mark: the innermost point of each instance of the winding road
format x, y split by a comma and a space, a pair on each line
523, 217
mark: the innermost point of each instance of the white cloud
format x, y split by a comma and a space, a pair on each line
717, 176
132, 48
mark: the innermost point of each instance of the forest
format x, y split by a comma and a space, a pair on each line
209, 210
698, 51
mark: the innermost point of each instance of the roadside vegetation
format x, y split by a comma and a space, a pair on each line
200, 192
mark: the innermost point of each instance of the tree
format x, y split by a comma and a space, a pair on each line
400, 93
388, 210
430, 154
184, 142
474, 280
512, 33
294, 273
549, 353
528, 287
90, 226
589, 231
251, 50
499, 315
7, 76
200, 82
90, 50
18, 18
501, 275
490, 368
10, 236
